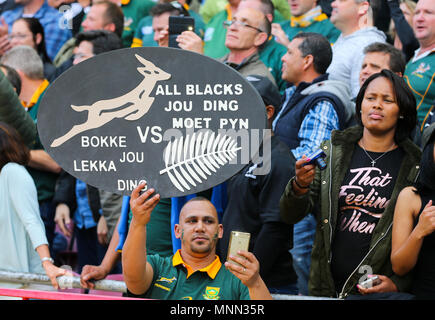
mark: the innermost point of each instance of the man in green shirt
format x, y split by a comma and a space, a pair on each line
420, 70
307, 16
248, 33
144, 34
209, 8
215, 34
272, 52
134, 11
195, 271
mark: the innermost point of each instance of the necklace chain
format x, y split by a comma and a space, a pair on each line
374, 160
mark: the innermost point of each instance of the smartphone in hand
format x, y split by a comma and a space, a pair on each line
177, 25
239, 241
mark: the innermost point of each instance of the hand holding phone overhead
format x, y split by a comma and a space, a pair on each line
177, 25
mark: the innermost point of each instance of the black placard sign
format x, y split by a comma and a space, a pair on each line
181, 121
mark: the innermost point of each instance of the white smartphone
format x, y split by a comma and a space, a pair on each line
239, 241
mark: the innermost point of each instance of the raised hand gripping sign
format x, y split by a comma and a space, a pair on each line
180, 121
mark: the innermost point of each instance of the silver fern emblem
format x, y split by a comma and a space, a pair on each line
195, 157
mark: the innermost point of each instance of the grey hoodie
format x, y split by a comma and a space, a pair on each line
348, 55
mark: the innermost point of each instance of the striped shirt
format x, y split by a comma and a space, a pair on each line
316, 126
56, 30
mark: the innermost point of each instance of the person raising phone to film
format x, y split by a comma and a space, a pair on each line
354, 196
193, 272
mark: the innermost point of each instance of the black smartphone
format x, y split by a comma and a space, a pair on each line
177, 25
316, 158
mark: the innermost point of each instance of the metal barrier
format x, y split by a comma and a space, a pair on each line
65, 282
54, 295
71, 282
295, 297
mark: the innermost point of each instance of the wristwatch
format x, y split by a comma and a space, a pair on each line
47, 259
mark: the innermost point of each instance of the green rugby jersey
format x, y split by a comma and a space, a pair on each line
419, 75
134, 11
175, 280
321, 24
271, 56
215, 33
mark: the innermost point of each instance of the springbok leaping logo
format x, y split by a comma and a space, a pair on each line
130, 106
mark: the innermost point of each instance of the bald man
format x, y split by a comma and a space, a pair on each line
193, 272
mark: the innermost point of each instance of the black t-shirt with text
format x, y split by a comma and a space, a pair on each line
253, 204
364, 194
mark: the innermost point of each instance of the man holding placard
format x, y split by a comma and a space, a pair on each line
199, 230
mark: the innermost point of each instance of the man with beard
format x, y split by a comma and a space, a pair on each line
193, 272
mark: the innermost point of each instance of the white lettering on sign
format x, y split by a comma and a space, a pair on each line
124, 185
234, 123
166, 90
220, 105
217, 89
104, 141
132, 157
191, 123
179, 106
156, 133
94, 165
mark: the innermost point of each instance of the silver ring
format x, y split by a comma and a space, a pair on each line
244, 269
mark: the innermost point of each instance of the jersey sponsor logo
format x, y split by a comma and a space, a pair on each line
211, 293
147, 30
422, 68
163, 279
127, 22
208, 35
